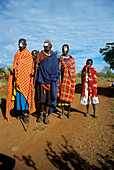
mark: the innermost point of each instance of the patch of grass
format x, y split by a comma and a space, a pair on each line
78, 80
104, 79
3, 81
100, 79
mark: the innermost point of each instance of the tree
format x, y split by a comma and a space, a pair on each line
78, 74
108, 53
2, 69
107, 71
57, 53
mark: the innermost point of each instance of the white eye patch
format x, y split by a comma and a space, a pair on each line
46, 44
65, 48
20, 45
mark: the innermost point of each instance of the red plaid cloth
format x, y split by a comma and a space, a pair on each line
92, 81
66, 91
24, 68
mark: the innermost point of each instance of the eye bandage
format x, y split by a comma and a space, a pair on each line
46, 44
65, 48
20, 45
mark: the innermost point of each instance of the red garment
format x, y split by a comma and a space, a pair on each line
66, 88
92, 80
24, 68
42, 55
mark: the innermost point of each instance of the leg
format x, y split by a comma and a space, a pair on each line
48, 104
42, 107
46, 120
25, 116
41, 98
69, 108
22, 106
87, 106
40, 117
94, 111
19, 114
62, 108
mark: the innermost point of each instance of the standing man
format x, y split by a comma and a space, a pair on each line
89, 89
20, 89
67, 83
35, 54
48, 74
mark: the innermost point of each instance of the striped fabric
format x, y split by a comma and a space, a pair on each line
24, 68
66, 88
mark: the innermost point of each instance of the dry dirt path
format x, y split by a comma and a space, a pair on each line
77, 143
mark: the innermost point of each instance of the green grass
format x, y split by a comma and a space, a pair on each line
3, 81
100, 79
78, 80
104, 79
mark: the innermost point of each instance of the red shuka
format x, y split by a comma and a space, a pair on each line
66, 91
92, 81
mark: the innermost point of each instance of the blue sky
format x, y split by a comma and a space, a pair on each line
86, 25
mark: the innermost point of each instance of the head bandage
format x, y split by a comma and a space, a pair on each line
46, 44
20, 45
65, 48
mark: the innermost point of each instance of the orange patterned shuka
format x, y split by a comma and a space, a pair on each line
92, 81
24, 69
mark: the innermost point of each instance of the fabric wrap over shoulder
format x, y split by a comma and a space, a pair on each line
49, 69
49, 72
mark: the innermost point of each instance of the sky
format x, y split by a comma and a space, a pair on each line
85, 25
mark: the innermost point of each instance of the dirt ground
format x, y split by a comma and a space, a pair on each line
76, 143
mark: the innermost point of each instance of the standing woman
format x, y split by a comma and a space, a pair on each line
89, 90
67, 82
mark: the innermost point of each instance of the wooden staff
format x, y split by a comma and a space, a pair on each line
32, 92
12, 74
60, 84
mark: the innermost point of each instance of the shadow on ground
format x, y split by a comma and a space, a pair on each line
68, 158
3, 107
6, 162
106, 91
27, 160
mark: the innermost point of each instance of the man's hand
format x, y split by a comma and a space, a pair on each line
12, 71
37, 66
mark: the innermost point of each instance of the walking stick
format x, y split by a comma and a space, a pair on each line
60, 86
32, 92
10, 94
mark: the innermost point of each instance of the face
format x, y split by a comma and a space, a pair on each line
89, 63
22, 44
34, 54
65, 50
47, 47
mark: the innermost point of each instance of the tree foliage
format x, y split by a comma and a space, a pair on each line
2, 70
107, 71
108, 53
57, 53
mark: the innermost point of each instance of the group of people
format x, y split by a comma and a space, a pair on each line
38, 82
